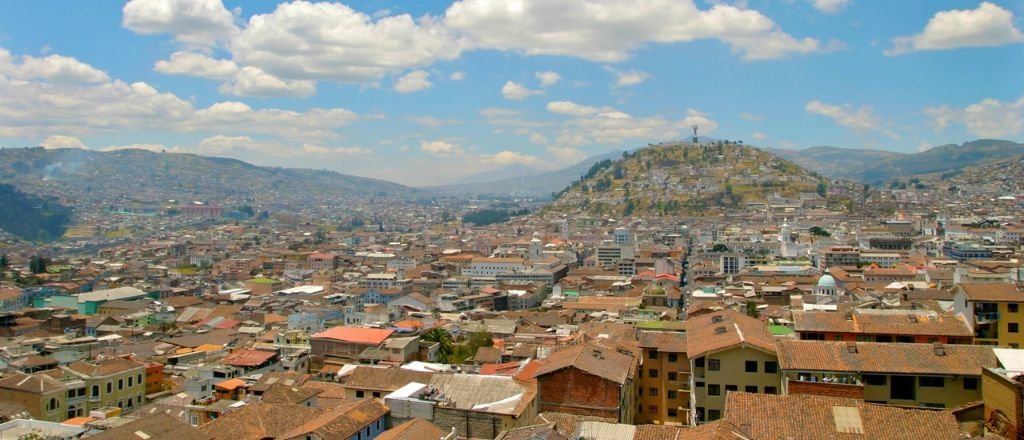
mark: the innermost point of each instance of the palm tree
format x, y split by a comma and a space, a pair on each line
442, 337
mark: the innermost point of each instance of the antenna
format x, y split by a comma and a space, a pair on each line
695, 134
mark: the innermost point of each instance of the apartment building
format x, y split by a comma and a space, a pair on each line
664, 384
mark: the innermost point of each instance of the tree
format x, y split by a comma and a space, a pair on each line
752, 310
37, 265
719, 247
822, 189
819, 232
442, 337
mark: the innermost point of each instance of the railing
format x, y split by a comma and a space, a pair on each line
986, 317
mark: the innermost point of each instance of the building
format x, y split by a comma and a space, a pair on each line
589, 380
41, 394
840, 256
361, 419
112, 382
923, 375
728, 351
993, 311
1003, 393
343, 345
871, 325
664, 384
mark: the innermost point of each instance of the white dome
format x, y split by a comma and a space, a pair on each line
826, 281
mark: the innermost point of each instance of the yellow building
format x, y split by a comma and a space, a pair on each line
43, 395
994, 311
112, 382
728, 351
904, 374
664, 394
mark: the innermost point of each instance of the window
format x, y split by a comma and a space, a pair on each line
750, 388
731, 388
714, 414
672, 357
653, 354
95, 391
902, 388
874, 379
672, 394
1012, 308
771, 390
931, 381
131, 379
110, 387
750, 366
653, 409
714, 364
653, 373
360, 394
771, 367
139, 378
672, 375
837, 337
699, 385
1013, 327
714, 389
120, 384
672, 412
699, 362
970, 383
653, 392
376, 394
639, 409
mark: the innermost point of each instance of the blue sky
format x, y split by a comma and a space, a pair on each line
425, 92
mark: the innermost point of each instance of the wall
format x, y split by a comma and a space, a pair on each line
952, 394
1003, 405
825, 389
681, 386
732, 372
35, 403
575, 392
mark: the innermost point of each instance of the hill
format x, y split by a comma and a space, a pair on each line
539, 184
510, 172
876, 166
686, 179
992, 179
93, 180
32, 218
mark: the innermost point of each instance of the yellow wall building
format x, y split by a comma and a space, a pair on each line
664, 394
994, 310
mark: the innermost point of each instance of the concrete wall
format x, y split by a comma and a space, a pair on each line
732, 372
950, 395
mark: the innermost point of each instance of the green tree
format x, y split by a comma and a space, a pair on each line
37, 265
719, 247
819, 232
442, 337
822, 189
752, 310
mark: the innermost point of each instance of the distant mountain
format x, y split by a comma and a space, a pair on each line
32, 218
91, 180
540, 184
879, 166
995, 178
685, 179
510, 172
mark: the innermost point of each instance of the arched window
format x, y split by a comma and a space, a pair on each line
95, 391
53, 404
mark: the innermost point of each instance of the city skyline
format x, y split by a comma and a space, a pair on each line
424, 94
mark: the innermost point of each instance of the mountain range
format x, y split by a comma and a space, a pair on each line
520, 181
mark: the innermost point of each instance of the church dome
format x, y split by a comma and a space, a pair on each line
826, 281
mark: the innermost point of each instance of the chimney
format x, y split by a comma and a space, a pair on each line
851, 347
848, 315
939, 350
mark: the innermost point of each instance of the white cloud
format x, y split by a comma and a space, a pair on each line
537, 138
566, 155
60, 141
335, 151
830, 6
627, 78
440, 148
571, 108
702, 120
253, 81
196, 64
988, 118
506, 157
331, 41
510, 117
611, 126
156, 148
548, 78
862, 119
759, 136
518, 92
413, 82
432, 122
201, 23
457, 76
55, 68
988, 25
610, 31
924, 146
751, 117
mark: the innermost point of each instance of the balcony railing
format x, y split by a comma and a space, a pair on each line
986, 317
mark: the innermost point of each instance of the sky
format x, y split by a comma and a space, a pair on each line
426, 92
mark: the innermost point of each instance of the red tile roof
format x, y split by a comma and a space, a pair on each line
359, 335
248, 358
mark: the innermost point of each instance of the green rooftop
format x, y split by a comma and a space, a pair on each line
780, 330
262, 280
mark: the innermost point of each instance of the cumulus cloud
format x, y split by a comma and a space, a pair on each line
510, 117
548, 78
566, 155
610, 31
571, 108
987, 25
440, 148
196, 64
517, 92
253, 81
988, 118
60, 141
759, 136
200, 23
505, 158
457, 76
413, 82
628, 78
860, 119
830, 6
611, 126
432, 122
55, 68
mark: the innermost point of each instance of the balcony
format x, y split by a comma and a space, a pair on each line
986, 317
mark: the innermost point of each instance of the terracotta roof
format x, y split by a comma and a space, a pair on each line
892, 322
33, 383
993, 292
724, 329
487, 355
415, 429
289, 378
154, 426
248, 358
105, 367
358, 335
669, 342
260, 420
230, 384
807, 417
383, 379
885, 358
281, 393
599, 361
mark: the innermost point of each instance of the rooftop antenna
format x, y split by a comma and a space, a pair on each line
695, 134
